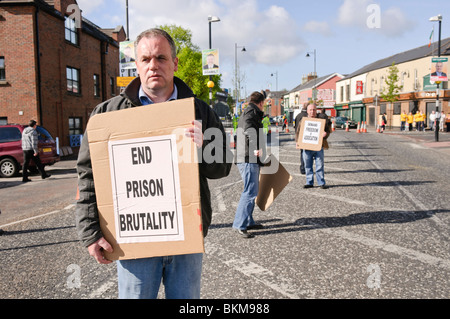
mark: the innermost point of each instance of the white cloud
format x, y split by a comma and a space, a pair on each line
353, 13
319, 27
394, 23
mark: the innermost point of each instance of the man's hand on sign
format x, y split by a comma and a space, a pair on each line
258, 153
96, 250
195, 133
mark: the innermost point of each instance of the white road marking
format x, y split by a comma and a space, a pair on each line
262, 275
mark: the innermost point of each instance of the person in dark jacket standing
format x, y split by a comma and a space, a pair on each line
31, 152
251, 150
156, 63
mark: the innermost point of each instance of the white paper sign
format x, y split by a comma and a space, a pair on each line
311, 133
146, 189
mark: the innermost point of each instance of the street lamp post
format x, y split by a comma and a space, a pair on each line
436, 129
236, 86
276, 77
211, 19
315, 72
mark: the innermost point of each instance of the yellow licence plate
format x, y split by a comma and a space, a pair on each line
47, 150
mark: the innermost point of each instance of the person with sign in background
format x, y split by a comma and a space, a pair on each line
156, 62
318, 156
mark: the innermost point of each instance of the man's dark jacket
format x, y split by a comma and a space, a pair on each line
250, 135
87, 219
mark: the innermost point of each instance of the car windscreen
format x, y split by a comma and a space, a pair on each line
9, 134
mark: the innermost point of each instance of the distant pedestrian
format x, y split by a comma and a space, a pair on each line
410, 120
266, 124
31, 152
442, 121
423, 118
318, 156
432, 119
403, 118
298, 121
383, 122
250, 155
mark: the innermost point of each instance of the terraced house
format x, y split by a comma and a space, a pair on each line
359, 93
55, 65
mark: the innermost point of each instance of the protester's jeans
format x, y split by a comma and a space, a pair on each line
250, 175
308, 158
141, 278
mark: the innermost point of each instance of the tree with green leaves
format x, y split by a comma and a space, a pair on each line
390, 93
190, 63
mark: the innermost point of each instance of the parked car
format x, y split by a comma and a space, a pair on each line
273, 120
341, 121
11, 154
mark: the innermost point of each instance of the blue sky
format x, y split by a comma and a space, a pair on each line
277, 34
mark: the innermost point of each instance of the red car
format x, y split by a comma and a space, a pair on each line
11, 154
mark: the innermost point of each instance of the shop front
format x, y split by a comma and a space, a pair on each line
355, 111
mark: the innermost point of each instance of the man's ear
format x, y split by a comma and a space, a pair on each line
175, 61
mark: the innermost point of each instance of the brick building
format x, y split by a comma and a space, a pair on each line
55, 65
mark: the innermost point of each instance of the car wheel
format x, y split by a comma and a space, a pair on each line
8, 167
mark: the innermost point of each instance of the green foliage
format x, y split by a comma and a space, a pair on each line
390, 93
190, 63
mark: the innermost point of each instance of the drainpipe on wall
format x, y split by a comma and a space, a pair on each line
38, 61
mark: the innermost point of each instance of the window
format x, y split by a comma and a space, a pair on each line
113, 87
71, 31
10, 134
73, 80
2, 69
397, 108
96, 85
342, 93
75, 126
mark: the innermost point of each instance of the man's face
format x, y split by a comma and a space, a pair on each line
127, 52
312, 111
210, 60
439, 67
155, 64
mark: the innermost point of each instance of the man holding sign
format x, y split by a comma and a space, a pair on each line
156, 63
313, 137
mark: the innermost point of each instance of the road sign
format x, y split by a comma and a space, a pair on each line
123, 81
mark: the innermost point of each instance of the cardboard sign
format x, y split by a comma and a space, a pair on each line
311, 134
147, 180
271, 184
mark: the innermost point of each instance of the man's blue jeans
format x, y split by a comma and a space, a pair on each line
250, 176
308, 158
141, 278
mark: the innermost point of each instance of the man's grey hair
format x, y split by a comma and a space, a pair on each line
157, 32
